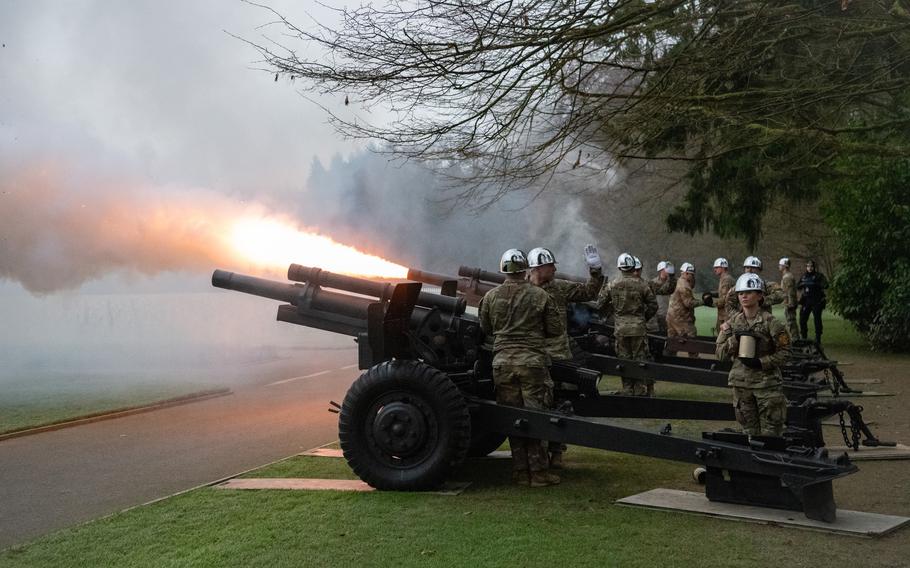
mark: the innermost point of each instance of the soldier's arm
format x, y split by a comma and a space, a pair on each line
722, 290
780, 337
484, 312
605, 302
650, 302
726, 345
587, 291
553, 323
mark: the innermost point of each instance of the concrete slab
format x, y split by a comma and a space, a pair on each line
864, 382
852, 523
898, 452
301, 484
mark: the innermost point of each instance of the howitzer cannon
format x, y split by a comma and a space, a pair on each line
425, 399
806, 372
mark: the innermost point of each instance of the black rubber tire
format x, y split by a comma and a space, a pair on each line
437, 419
484, 441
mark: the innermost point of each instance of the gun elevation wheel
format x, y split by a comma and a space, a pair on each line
403, 425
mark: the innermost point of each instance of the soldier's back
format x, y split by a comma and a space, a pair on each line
516, 314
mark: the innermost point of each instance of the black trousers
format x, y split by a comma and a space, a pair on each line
816, 311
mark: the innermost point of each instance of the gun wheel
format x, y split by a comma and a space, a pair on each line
403, 425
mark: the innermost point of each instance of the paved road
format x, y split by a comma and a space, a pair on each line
58, 479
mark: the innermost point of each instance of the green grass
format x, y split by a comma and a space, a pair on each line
491, 524
40, 401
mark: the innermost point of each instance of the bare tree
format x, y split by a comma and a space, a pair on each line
514, 91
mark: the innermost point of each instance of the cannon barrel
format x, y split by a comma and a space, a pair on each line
324, 300
472, 289
381, 290
487, 276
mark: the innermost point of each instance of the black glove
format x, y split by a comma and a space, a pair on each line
707, 299
751, 362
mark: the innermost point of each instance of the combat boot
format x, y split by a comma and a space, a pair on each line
556, 460
521, 478
543, 479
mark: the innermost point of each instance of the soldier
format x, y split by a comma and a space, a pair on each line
662, 285
788, 289
725, 283
812, 300
752, 265
758, 397
681, 314
632, 303
519, 317
543, 268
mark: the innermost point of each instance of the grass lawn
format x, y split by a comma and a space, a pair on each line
38, 401
491, 524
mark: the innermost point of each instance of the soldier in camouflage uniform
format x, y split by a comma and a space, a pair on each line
725, 284
788, 289
662, 285
632, 303
520, 317
758, 398
543, 269
753, 265
681, 314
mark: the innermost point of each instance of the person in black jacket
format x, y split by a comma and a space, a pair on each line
811, 300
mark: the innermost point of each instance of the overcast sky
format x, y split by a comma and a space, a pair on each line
158, 89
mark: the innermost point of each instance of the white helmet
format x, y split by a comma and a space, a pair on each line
784, 262
638, 264
687, 267
661, 265
721, 262
750, 283
752, 262
625, 262
540, 256
671, 269
513, 261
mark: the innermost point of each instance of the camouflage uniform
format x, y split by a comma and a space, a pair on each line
632, 303
559, 348
681, 314
788, 287
564, 293
662, 289
520, 317
758, 398
724, 285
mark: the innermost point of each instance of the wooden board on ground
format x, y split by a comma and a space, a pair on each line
300, 484
853, 523
898, 452
324, 453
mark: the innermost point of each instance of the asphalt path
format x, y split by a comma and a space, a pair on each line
58, 479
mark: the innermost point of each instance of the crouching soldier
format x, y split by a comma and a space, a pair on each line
758, 344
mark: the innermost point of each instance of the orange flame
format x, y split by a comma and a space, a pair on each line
276, 244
